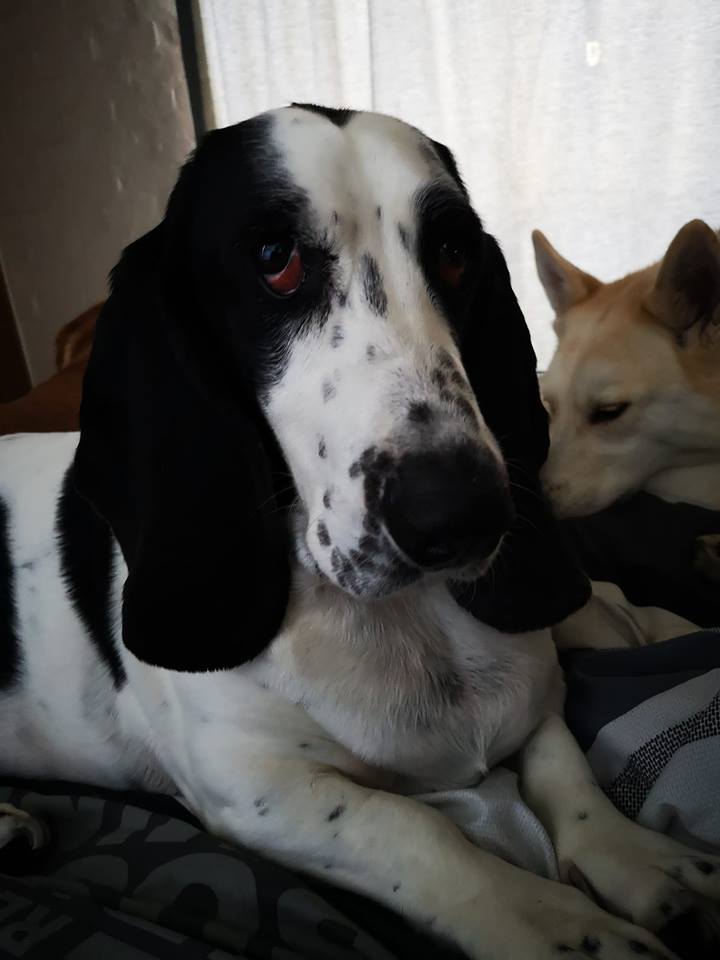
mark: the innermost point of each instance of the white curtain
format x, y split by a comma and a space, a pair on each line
596, 120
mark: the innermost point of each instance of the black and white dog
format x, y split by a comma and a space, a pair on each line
262, 578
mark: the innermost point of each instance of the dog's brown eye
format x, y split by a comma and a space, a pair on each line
281, 266
608, 411
451, 262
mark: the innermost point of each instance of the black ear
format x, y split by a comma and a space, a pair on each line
535, 581
180, 465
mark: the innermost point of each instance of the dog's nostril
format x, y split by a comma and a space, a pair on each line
443, 509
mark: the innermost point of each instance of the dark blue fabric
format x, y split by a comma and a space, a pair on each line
604, 684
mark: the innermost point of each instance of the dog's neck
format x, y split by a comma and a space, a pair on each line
692, 473
694, 476
409, 682
698, 484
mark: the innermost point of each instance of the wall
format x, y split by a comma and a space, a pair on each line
95, 121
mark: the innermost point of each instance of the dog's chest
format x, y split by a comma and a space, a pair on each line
413, 684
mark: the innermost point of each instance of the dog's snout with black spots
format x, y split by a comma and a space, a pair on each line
373, 375
450, 388
430, 409
369, 563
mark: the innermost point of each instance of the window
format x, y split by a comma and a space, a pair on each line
597, 122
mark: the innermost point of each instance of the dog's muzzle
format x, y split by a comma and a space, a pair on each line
447, 509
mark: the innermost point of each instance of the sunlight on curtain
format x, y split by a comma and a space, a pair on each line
598, 122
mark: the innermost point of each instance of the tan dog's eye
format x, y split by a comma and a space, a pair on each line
607, 412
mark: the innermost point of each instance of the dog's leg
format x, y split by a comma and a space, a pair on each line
16, 823
633, 871
608, 619
409, 857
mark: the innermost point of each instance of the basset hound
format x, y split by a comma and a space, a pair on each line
297, 565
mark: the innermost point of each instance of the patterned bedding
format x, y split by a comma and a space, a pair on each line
135, 877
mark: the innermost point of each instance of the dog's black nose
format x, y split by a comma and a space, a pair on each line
446, 508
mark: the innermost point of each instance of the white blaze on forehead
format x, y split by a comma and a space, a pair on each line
362, 180
372, 161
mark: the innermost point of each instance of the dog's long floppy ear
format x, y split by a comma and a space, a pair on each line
535, 581
177, 458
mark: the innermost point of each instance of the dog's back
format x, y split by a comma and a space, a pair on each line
61, 709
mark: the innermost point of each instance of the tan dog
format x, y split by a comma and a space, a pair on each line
54, 405
633, 390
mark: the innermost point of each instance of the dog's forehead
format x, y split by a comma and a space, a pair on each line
367, 162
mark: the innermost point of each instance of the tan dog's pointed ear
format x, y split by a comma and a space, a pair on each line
687, 289
564, 284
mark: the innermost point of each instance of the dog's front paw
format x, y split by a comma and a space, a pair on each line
544, 920
15, 823
639, 874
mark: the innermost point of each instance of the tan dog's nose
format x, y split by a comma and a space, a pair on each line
559, 492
